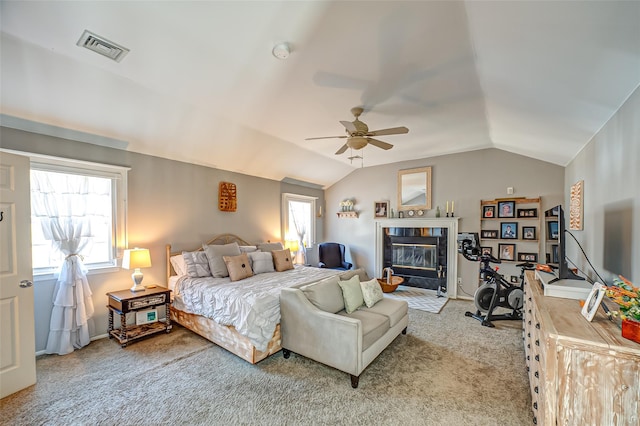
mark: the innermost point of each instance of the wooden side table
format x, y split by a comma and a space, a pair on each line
125, 301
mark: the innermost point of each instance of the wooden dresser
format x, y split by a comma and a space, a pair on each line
580, 373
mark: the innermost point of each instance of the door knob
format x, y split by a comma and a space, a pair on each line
25, 283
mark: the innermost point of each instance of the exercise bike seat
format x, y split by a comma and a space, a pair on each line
528, 266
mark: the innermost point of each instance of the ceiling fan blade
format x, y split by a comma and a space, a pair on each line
351, 128
391, 131
342, 149
326, 137
379, 144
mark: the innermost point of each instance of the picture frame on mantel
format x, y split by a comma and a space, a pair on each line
381, 209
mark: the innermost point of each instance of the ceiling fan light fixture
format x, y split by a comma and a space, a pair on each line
357, 142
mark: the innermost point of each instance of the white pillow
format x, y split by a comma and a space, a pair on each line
248, 249
197, 264
371, 292
178, 264
261, 262
270, 246
216, 262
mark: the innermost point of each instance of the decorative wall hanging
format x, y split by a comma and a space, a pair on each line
227, 197
575, 207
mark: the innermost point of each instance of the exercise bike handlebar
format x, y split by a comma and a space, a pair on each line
473, 254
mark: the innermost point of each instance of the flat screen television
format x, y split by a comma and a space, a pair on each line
556, 230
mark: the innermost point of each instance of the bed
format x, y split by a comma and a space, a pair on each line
241, 316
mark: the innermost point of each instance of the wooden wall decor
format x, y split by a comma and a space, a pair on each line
227, 197
576, 206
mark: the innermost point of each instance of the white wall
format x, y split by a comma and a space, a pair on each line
610, 168
169, 202
466, 178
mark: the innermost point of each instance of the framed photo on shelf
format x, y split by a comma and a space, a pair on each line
553, 212
552, 230
489, 234
528, 257
593, 301
509, 230
507, 209
486, 250
507, 251
527, 212
514, 279
381, 209
554, 253
528, 232
488, 212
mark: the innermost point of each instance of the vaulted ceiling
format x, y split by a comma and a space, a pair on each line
200, 83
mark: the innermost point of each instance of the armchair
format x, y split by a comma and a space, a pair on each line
331, 256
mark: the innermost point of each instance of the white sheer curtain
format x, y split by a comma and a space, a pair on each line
64, 205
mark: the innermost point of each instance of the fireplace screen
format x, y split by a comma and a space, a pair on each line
414, 256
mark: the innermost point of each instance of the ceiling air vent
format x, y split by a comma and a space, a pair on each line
102, 46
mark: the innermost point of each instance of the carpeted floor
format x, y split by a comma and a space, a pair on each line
419, 298
448, 369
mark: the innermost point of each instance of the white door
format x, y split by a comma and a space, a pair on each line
17, 330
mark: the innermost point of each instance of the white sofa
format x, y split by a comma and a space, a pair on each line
314, 324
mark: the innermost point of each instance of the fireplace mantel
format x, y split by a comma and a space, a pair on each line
451, 223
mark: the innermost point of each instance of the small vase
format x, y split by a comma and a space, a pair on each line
631, 330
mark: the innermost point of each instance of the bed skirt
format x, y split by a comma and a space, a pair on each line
226, 336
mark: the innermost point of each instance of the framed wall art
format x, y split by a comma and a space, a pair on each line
227, 197
489, 234
488, 212
575, 206
528, 213
528, 232
527, 257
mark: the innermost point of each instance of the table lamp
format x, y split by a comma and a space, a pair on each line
293, 247
135, 259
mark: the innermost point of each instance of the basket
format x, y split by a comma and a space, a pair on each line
388, 288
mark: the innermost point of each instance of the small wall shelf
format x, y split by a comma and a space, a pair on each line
350, 214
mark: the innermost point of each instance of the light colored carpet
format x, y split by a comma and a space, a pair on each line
448, 369
419, 298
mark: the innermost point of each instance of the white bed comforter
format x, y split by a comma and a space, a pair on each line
251, 305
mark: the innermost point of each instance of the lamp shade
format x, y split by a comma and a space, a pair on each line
136, 258
292, 245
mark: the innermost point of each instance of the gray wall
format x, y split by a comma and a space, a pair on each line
465, 178
610, 168
169, 202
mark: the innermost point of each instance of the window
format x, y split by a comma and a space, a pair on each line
76, 199
299, 218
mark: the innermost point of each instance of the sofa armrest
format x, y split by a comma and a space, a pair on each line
331, 339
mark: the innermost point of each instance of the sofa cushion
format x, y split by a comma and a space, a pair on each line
374, 325
351, 293
395, 310
325, 295
371, 292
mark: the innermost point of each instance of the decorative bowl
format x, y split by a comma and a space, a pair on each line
388, 288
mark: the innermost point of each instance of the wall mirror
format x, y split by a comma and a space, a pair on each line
414, 189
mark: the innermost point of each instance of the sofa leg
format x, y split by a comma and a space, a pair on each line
354, 381
286, 353
404, 331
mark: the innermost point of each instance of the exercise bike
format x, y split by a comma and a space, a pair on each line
495, 292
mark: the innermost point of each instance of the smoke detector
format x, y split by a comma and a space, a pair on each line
281, 50
102, 46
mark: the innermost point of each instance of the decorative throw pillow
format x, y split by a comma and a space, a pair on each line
216, 262
197, 264
351, 293
238, 267
261, 262
282, 260
371, 292
178, 264
270, 246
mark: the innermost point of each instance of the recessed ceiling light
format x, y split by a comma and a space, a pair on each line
281, 50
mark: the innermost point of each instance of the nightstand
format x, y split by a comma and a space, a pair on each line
125, 301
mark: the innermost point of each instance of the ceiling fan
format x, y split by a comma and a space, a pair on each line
358, 134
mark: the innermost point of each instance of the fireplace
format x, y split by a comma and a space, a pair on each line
422, 251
